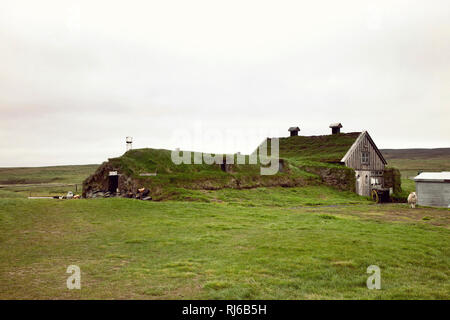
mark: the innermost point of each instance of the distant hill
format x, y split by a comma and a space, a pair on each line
54, 174
415, 153
412, 161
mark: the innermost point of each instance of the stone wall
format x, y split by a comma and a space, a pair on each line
341, 178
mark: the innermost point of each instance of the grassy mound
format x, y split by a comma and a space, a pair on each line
171, 178
303, 161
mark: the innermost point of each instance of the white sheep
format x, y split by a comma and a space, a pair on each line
412, 199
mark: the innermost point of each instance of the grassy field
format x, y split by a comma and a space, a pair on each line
56, 174
311, 242
274, 196
43, 181
188, 250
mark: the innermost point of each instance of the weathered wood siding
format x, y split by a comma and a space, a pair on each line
369, 174
363, 183
354, 160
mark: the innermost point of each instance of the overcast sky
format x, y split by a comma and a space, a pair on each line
77, 77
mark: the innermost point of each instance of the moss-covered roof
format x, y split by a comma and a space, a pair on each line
149, 160
328, 148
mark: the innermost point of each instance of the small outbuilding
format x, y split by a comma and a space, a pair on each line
294, 131
433, 189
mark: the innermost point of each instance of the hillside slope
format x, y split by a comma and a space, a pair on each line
419, 153
411, 161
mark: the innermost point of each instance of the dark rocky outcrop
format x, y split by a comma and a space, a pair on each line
97, 185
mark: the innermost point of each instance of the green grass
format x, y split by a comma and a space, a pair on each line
326, 148
309, 242
412, 166
24, 191
273, 196
191, 250
56, 174
408, 186
43, 181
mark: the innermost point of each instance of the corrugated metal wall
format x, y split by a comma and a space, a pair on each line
436, 194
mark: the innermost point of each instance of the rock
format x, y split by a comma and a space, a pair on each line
98, 194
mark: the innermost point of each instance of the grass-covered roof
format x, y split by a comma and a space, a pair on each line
328, 148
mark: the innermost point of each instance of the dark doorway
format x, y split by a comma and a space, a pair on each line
223, 165
113, 183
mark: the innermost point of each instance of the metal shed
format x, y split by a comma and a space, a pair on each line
433, 189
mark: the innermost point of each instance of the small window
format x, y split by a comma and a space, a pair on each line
365, 157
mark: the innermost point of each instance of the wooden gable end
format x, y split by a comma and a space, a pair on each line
364, 154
